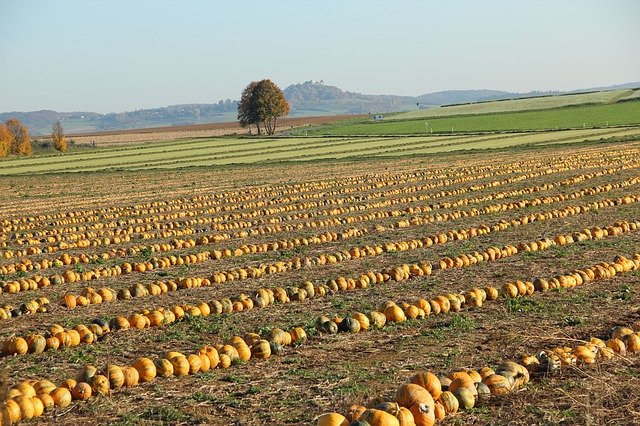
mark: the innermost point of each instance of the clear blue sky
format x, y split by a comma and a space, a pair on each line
117, 55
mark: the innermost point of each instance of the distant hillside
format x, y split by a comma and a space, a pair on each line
316, 98
40, 122
306, 99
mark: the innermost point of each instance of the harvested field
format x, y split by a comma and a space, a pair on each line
140, 263
102, 139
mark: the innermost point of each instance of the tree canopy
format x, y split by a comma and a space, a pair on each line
59, 140
20, 142
261, 103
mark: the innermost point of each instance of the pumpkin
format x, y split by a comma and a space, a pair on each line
355, 411
38, 406
332, 419
261, 349
390, 407
429, 381
485, 372
15, 346
69, 384
131, 377
328, 327
620, 332
298, 335
405, 417
277, 349
205, 362
394, 313
230, 351
61, 397
164, 368
377, 319
349, 325
146, 369
27, 411
244, 352
439, 411
86, 373
444, 303
47, 401
225, 361
617, 346
115, 376
492, 293
362, 319
462, 382
251, 338
212, 354
378, 417
411, 394
194, 363
466, 397
632, 342
497, 384
81, 391
25, 388
483, 391
36, 343
423, 414
180, 364
100, 384
43, 387
12, 411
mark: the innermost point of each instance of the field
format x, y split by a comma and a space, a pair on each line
233, 150
274, 291
571, 117
526, 104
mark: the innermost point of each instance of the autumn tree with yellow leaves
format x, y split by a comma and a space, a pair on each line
20, 141
59, 140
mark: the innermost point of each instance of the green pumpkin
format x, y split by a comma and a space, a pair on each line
349, 325
329, 327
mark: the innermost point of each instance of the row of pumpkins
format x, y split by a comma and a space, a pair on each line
30, 307
31, 398
73, 276
263, 297
427, 398
107, 240
270, 197
66, 259
459, 390
392, 312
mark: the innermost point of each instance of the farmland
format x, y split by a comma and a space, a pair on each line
272, 291
526, 104
570, 117
234, 150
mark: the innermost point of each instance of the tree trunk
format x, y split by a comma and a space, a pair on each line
258, 126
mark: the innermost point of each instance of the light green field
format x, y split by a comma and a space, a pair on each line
224, 151
521, 104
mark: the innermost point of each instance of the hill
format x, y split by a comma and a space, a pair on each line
307, 99
522, 104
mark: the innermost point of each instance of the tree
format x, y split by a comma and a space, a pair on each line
5, 140
261, 103
248, 106
59, 140
20, 144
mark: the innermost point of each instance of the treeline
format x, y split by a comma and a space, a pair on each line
15, 140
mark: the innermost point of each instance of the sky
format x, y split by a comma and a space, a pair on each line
122, 55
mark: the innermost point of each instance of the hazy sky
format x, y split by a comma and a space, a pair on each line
117, 55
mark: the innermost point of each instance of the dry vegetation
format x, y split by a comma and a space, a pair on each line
191, 131
290, 224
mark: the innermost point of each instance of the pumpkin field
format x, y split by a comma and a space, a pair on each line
416, 287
